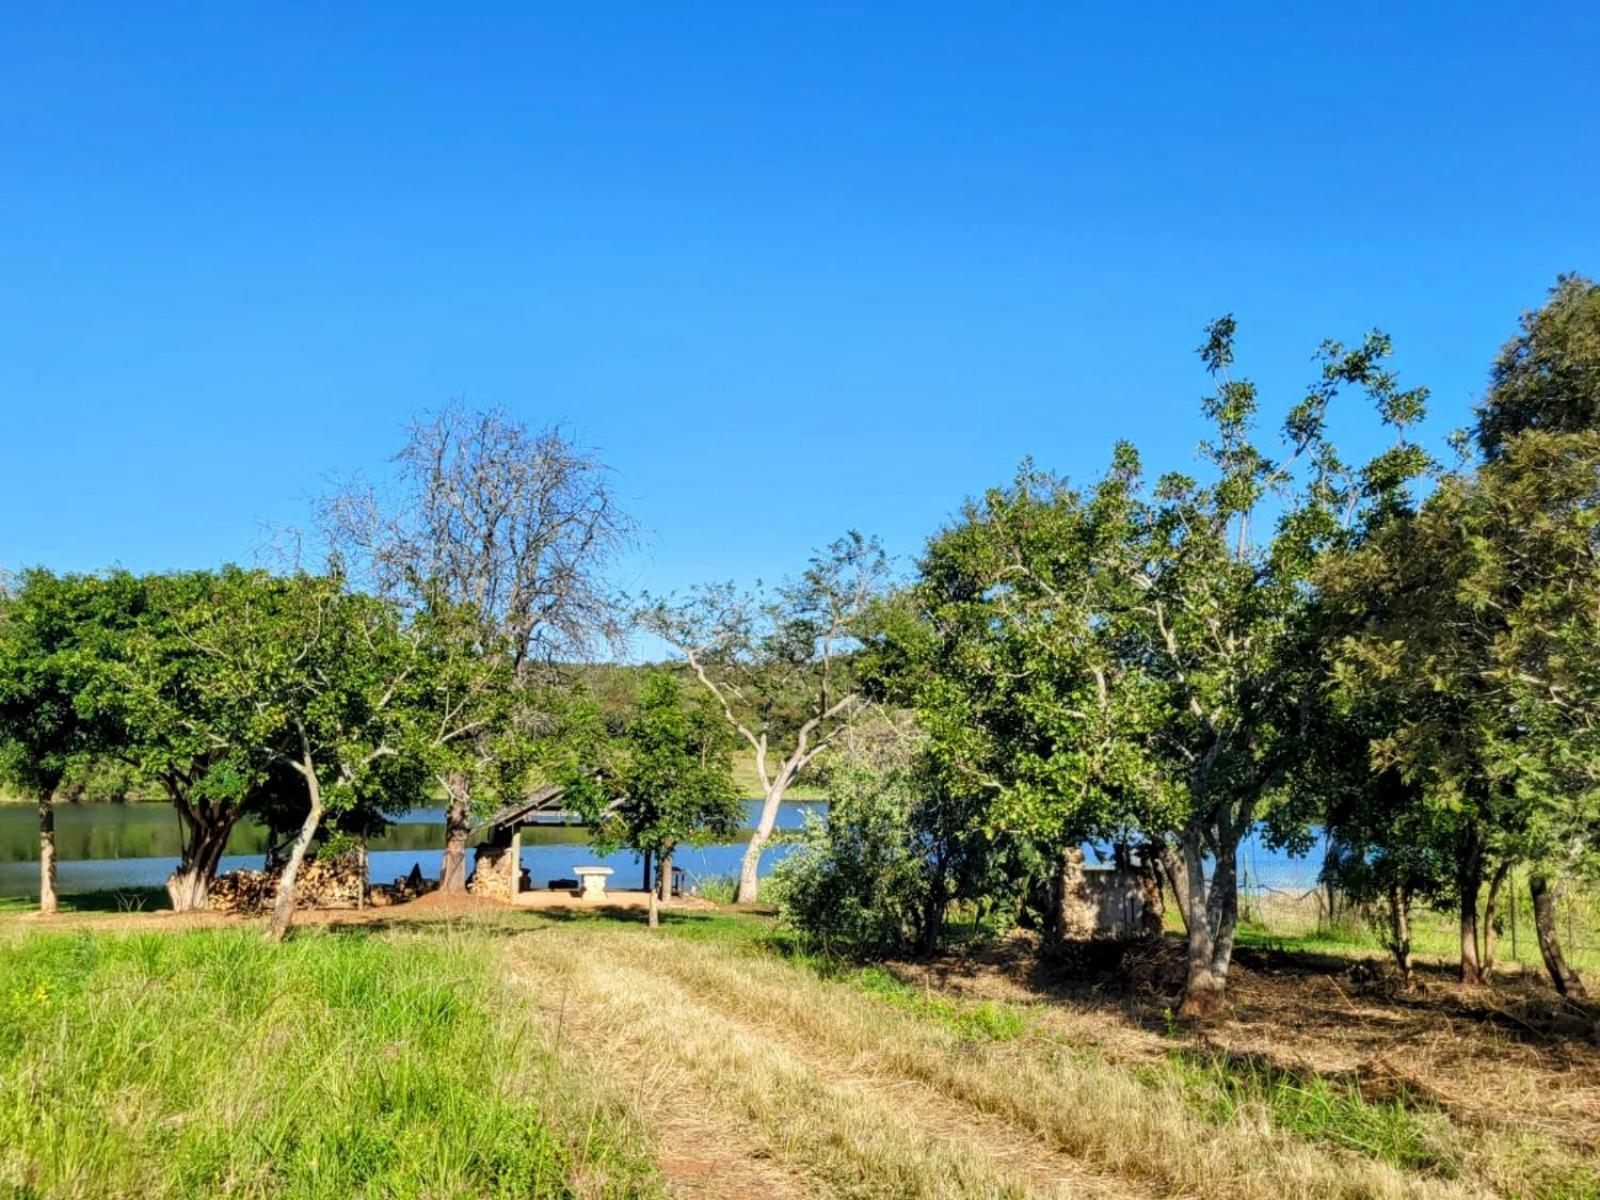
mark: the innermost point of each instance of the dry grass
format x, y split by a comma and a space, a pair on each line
1513, 1074
740, 1071
871, 1098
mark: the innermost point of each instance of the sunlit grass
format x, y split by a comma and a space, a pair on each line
341, 1064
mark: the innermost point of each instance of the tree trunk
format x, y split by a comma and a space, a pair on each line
1491, 906
1153, 911
661, 891
1565, 979
1177, 877
47, 854
1054, 927
1214, 920
934, 904
750, 869
205, 838
1400, 932
457, 827
1330, 877
283, 905
1469, 880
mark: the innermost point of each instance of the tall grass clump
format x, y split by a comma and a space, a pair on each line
340, 1064
1408, 1135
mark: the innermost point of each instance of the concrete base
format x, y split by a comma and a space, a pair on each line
614, 898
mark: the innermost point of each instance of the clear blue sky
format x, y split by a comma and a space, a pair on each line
792, 268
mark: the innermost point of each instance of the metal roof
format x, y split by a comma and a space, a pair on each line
543, 807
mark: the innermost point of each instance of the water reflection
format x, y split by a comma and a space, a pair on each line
135, 845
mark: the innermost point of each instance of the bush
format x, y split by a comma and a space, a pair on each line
857, 881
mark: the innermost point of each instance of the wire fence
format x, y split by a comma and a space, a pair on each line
1285, 898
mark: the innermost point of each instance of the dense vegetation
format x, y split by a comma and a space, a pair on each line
1398, 654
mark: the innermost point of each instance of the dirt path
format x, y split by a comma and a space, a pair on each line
741, 1111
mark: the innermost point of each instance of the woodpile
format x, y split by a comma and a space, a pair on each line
338, 881
402, 890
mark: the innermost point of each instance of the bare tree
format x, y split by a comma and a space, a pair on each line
516, 526
779, 666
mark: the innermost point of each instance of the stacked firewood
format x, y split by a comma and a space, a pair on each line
336, 881
401, 890
242, 892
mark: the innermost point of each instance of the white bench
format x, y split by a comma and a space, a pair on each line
593, 880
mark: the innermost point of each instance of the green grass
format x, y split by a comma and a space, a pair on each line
109, 900
980, 1020
748, 781
341, 1064
1411, 1136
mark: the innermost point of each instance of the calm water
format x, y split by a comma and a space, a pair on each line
136, 845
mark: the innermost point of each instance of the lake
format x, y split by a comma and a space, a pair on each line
103, 846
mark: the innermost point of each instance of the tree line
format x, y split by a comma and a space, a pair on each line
1398, 654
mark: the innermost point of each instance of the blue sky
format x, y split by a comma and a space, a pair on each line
793, 269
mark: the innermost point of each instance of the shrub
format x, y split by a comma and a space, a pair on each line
857, 881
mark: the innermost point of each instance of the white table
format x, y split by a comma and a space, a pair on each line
593, 880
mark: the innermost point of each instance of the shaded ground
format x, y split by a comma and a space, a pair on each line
1512, 1054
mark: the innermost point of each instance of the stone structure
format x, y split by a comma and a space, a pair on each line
497, 869
594, 881
492, 868
1111, 903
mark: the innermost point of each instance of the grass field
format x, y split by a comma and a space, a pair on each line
748, 781
554, 1054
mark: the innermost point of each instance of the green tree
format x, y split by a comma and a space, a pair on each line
317, 676
1473, 621
1220, 621
45, 729
1547, 377
878, 872
779, 664
146, 681
674, 779
1011, 650
1136, 661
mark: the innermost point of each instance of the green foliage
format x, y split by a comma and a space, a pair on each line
1133, 662
673, 772
1547, 378
719, 889
1019, 683
51, 631
978, 1021
471, 719
853, 883
877, 874
1471, 630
